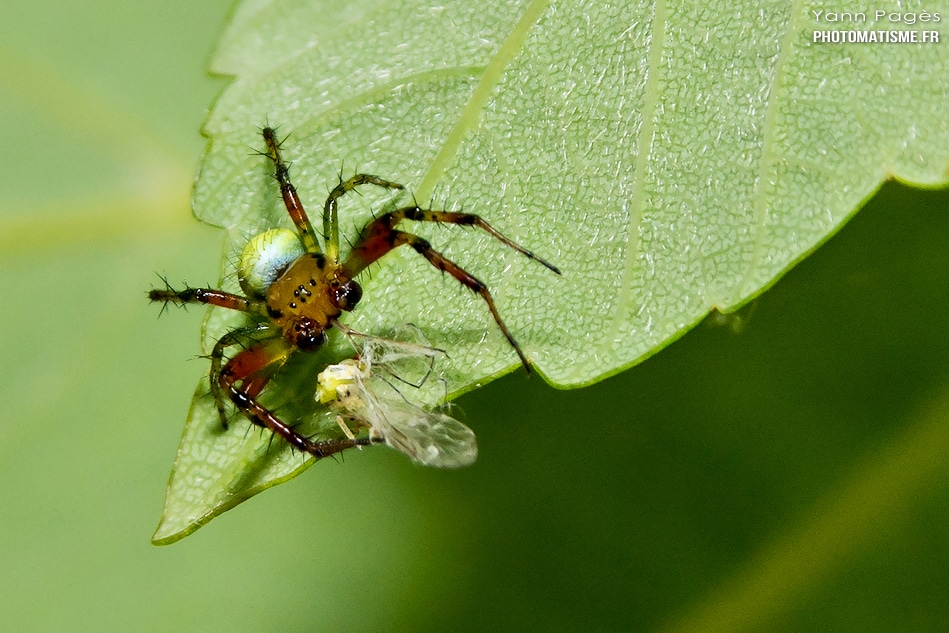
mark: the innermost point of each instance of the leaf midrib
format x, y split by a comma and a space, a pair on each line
470, 116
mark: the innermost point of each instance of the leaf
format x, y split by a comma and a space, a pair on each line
670, 159
216, 469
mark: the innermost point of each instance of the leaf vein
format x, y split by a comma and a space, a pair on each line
763, 187
470, 116
644, 143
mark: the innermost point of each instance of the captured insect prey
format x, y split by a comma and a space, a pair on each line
373, 391
295, 290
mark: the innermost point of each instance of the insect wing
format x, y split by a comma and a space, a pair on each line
372, 391
408, 358
430, 438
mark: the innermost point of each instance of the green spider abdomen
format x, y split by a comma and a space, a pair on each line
265, 258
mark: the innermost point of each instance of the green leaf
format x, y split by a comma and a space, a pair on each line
672, 160
215, 470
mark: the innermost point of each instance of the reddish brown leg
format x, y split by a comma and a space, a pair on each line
235, 337
382, 226
205, 295
380, 245
290, 198
252, 368
255, 384
380, 236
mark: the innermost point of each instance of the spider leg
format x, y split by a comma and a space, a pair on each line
381, 239
290, 198
234, 337
330, 216
388, 221
380, 236
208, 296
252, 368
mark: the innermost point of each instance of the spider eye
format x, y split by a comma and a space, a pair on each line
308, 335
348, 295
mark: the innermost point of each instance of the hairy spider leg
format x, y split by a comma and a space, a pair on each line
380, 236
252, 388
290, 198
221, 299
330, 214
247, 367
252, 367
208, 296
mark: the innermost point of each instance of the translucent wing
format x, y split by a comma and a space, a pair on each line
430, 438
365, 391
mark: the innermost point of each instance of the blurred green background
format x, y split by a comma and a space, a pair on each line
791, 476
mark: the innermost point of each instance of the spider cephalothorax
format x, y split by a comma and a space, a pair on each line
295, 291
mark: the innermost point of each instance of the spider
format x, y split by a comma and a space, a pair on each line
295, 291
